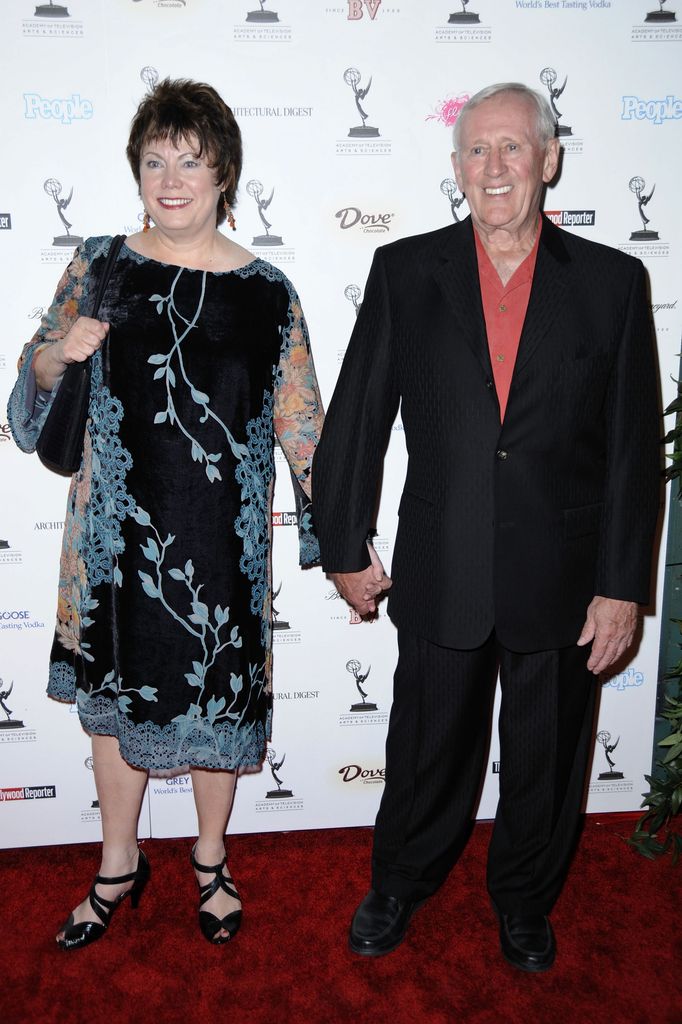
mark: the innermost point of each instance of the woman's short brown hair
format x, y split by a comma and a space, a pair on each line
182, 109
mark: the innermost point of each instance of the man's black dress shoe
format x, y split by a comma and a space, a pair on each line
527, 941
379, 924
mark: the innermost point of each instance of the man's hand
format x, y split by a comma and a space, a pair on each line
360, 589
611, 625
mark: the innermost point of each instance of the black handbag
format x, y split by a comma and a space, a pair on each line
60, 445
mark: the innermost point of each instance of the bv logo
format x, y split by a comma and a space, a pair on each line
73, 108
356, 9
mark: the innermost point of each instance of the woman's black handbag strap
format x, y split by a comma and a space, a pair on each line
60, 445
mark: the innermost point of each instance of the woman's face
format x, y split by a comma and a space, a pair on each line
178, 188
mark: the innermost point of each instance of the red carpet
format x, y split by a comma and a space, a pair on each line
618, 932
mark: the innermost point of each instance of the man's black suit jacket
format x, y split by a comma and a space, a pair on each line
512, 526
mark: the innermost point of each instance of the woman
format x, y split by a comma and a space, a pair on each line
200, 355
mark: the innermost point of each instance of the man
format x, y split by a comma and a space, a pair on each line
522, 360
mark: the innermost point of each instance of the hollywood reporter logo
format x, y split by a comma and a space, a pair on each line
14, 793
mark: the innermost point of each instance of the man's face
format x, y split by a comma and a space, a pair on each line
500, 165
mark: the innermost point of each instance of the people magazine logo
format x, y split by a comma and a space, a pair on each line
11, 794
264, 24
364, 138
363, 710
657, 111
280, 796
659, 25
465, 25
65, 110
53, 20
645, 241
628, 679
12, 728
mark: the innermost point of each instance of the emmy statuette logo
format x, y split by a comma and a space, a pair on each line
262, 17
604, 738
637, 186
53, 188
278, 623
353, 293
352, 77
150, 77
354, 667
548, 77
254, 188
9, 723
661, 16
449, 189
275, 765
464, 17
51, 10
88, 762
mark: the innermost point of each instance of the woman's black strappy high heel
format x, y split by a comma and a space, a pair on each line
210, 924
78, 935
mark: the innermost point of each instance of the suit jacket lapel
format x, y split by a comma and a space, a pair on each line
548, 293
457, 278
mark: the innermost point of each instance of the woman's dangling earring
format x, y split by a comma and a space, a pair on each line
145, 223
228, 213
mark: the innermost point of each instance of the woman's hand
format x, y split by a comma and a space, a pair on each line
84, 338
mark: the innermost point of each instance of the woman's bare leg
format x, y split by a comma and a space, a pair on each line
120, 789
213, 795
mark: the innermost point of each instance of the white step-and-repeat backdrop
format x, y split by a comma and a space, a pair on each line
346, 108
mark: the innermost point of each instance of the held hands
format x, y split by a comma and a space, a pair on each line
360, 589
611, 625
84, 338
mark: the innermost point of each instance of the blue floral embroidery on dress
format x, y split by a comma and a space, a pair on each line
62, 681
254, 474
110, 502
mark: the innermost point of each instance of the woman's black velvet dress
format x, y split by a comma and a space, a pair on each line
165, 612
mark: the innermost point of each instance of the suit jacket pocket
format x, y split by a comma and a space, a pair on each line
411, 501
583, 521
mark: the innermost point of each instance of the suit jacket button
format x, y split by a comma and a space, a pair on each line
501, 454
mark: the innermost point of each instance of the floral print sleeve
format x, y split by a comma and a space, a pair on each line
27, 407
298, 417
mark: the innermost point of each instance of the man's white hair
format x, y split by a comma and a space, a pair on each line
545, 123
